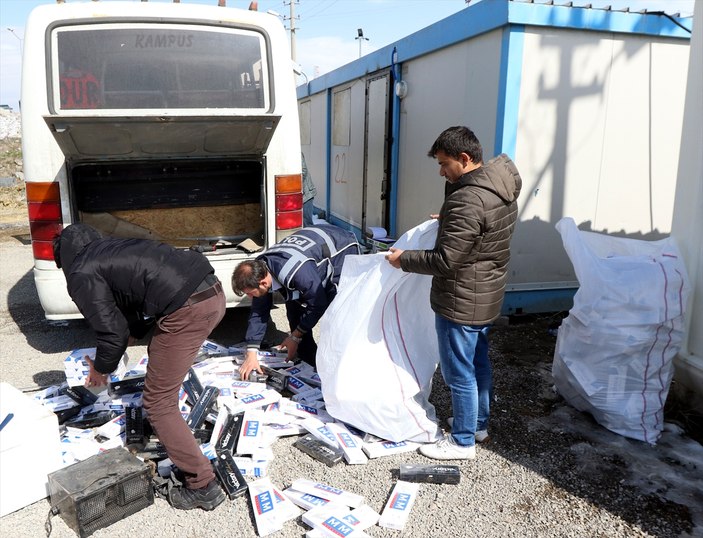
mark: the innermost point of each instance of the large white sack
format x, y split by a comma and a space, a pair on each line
378, 346
614, 352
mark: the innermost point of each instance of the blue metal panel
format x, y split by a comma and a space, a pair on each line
599, 20
536, 301
347, 226
509, 96
395, 148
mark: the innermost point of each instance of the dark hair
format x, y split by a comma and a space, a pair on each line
247, 275
456, 140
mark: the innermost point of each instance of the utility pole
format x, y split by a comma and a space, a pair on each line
292, 29
361, 38
12, 31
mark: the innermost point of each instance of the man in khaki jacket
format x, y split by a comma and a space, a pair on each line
469, 267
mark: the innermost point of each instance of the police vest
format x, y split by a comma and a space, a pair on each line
318, 244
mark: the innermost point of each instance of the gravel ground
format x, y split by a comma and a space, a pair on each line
548, 471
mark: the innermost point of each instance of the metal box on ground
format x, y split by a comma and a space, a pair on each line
101, 490
30, 449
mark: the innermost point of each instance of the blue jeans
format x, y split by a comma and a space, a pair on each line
466, 369
308, 213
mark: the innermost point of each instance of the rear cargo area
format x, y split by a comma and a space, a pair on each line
180, 202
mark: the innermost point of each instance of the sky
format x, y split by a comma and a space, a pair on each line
325, 30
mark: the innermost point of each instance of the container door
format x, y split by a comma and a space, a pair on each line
375, 198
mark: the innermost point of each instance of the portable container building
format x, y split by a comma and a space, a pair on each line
587, 102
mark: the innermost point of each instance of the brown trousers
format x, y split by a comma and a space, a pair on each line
175, 343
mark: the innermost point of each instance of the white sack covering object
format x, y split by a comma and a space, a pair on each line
378, 346
614, 352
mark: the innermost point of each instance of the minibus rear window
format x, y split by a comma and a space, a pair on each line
160, 66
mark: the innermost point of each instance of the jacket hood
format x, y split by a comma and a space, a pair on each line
71, 243
499, 175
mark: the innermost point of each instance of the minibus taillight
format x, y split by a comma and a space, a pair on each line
289, 202
45, 222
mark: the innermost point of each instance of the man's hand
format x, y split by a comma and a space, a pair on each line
393, 257
251, 363
95, 378
291, 346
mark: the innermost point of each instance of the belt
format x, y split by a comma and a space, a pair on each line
210, 290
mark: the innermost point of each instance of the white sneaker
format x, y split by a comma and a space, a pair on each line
447, 449
481, 436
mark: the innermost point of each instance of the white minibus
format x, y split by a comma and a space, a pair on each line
170, 121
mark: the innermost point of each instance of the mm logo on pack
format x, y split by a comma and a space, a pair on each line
390, 444
307, 409
346, 440
337, 526
324, 431
295, 383
329, 489
313, 499
251, 428
253, 398
263, 502
400, 502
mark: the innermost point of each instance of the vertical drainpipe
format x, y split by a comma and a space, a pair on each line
328, 155
395, 136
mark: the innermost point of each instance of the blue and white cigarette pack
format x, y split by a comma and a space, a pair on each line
349, 443
77, 369
306, 501
397, 510
112, 428
261, 399
333, 520
337, 495
319, 430
250, 467
310, 395
389, 448
251, 435
304, 410
297, 385
267, 514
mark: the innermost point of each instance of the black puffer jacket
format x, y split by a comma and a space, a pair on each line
122, 286
470, 259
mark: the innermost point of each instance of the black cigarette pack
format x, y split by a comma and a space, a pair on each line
91, 420
276, 380
126, 386
81, 395
432, 474
319, 450
229, 475
192, 386
202, 407
153, 451
134, 427
67, 414
227, 442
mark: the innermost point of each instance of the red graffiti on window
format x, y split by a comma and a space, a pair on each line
79, 89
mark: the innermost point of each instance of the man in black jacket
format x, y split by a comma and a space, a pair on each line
123, 288
305, 268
